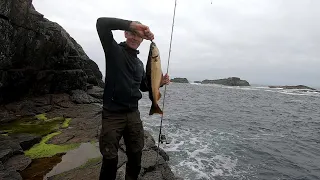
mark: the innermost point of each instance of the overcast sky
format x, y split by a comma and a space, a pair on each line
272, 42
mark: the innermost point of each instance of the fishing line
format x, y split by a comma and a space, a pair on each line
165, 86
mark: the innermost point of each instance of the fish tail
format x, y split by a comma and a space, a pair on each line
155, 109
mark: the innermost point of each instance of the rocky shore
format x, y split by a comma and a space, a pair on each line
50, 103
25, 153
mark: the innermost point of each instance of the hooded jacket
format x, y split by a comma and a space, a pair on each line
125, 74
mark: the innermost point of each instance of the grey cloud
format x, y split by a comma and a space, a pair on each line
265, 41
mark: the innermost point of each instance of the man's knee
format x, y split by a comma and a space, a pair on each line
109, 144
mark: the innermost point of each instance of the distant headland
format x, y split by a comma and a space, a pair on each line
231, 81
293, 87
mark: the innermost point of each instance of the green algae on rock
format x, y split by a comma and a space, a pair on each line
43, 149
66, 123
41, 117
37, 125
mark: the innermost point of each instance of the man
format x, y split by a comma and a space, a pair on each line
125, 77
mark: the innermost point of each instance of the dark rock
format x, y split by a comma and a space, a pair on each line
10, 175
122, 158
197, 81
162, 153
96, 92
180, 80
160, 172
5, 115
26, 141
8, 148
83, 126
17, 163
231, 81
150, 159
81, 97
38, 56
149, 141
293, 87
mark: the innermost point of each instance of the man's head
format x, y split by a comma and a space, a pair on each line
132, 39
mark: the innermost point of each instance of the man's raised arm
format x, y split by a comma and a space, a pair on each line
104, 27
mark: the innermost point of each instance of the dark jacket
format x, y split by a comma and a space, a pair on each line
125, 74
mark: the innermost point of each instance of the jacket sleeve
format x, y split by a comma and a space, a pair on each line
104, 27
144, 85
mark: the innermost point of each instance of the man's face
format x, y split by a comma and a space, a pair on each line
133, 40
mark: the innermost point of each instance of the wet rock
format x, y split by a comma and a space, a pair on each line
149, 141
162, 153
6, 116
162, 172
8, 148
17, 163
96, 92
26, 141
83, 126
10, 175
121, 173
149, 159
122, 158
81, 97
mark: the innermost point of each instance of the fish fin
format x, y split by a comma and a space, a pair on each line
155, 109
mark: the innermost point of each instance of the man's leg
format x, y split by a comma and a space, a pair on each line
134, 139
113, 125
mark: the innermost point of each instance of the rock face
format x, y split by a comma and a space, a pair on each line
293, 87
38, 56
180, 80
231, 81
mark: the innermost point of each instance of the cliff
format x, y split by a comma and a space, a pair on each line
231, 81
50, 100
38, 56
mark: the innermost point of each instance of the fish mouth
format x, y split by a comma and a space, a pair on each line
155, 56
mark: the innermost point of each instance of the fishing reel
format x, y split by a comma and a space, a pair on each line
163, 139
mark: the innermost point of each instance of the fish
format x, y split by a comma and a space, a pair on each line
154, 77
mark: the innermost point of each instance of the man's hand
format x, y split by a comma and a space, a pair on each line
141, 30
165, 80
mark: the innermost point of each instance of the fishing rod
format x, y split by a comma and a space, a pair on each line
160, 137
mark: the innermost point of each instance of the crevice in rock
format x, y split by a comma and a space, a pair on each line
4, 17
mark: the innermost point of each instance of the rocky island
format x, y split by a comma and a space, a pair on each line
50, 104
231, 81
293, 87
180, 80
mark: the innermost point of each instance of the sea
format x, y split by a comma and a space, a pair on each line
217, 132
